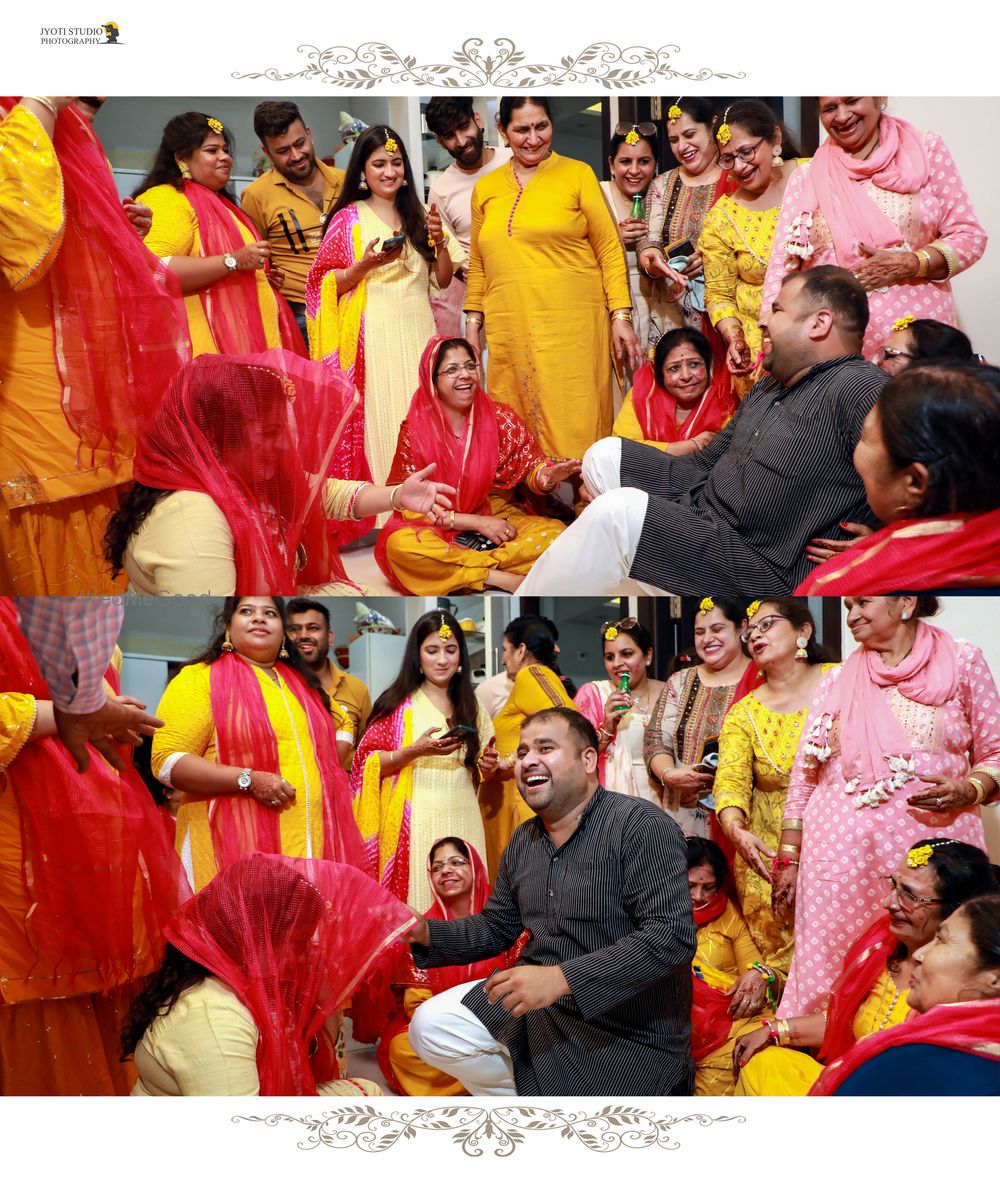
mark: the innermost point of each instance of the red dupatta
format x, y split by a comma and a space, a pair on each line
711, 1023
972, 1027
257, 435
865, 962
98, 866
245, 737
118, 321
958, 550
291, 937
656, 408
232, 306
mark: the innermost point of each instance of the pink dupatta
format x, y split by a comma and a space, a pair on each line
834, 185
876, 754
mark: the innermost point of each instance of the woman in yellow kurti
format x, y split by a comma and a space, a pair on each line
75, 928
738, 231
548, 285
757, 746
935, 876
529, 658
369, 310
413, 781
209, 244
732, 982
249, 746
59, 418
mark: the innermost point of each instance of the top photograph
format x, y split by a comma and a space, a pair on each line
504, 344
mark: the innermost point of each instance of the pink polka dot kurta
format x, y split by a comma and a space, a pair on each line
940, 215
845, 850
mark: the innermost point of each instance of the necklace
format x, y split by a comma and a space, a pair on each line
895, 1000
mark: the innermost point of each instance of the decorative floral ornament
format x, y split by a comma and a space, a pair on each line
445, 632
920, 856
611, 633
724, 135
215, 125
752, 609
706, 605
391, 145
674, 111
798, 244
904, 771
902, 323
632, 137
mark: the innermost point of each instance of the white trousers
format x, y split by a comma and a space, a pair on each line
594, 555
447, 1035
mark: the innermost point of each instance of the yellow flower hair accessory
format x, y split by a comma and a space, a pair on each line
902, 323
674, 111
632, 138
391, 147
611, 633
215, 125
724, 134
920, 856
706, 605
752, 609
445, 632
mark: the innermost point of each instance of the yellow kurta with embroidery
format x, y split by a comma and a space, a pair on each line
726, 948
186, 708
546, 267
175, 231
735, 244
53, 508
781, 1071
535, 688
756, 750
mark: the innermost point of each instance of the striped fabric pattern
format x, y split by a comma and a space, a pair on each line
612, 907
72, 640
738, 515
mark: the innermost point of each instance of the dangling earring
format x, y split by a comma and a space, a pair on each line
227, 645
405, 183
185, 172
362, 186
801, 642
283, 652
761, 673
459, 671
776, 159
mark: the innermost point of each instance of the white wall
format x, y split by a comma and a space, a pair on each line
977, 620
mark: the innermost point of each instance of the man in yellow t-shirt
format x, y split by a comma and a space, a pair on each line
290, 203
307, 624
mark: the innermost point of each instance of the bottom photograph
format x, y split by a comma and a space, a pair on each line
500, 846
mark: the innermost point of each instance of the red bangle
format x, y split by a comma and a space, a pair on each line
785, 862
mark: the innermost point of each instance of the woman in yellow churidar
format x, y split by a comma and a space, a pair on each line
529, 657
249, 745
548, 286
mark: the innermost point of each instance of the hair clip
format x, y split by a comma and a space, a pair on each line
215, 125
724, 134
674, 111
902, 323
752, 609
706, 605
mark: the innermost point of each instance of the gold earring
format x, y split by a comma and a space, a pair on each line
185, 171
227, 645
283, 652
801, 642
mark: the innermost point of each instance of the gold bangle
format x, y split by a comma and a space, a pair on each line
473, 321
45, 102
788, 848
392, 498
451, 518
980, 788
784, 1032
790, 824
622, 316
924, 259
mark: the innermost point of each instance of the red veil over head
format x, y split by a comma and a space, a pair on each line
656, 409
98, 866
119, 325
245, 737
257, 435
292, 937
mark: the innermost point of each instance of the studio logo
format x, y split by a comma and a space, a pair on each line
105, 34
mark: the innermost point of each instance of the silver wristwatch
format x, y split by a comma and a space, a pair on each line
230, 261
244, 779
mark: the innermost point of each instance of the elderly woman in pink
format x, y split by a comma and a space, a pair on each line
886, 201
902, 742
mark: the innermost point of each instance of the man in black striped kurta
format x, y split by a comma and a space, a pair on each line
737, 515
600, 1002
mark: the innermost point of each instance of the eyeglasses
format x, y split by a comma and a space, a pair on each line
454, 864
643, 129
624, 623
762, 626
455, 368
908, 901
892, 352
745, 154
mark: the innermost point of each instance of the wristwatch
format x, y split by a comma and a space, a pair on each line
230, 261
244, 779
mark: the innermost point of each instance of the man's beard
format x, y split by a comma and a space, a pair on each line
472, 153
